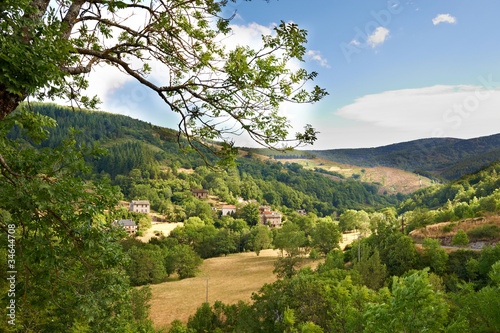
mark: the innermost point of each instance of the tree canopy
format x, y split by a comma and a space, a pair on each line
48, 47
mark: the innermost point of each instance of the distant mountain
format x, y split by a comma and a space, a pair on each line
449, 158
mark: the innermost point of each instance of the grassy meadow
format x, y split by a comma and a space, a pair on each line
232, 278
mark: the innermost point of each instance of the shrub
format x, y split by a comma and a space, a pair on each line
460, 239
488, 231
447, 228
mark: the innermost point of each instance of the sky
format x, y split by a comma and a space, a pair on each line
395, 70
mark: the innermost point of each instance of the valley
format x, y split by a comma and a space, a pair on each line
276, 235
367, 198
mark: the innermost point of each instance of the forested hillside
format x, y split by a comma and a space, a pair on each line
145, 162
473, 195
449, 158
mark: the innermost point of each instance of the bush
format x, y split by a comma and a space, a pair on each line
314, 255
449, 227
488, 231
460, 239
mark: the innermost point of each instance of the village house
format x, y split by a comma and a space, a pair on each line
268, 217
272, 219
228, 209
139, 206
129, 225
302, 212
200, 193
264, 209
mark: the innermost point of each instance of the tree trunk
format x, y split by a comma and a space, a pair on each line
9, 101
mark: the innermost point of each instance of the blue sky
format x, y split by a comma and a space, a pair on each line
395, 70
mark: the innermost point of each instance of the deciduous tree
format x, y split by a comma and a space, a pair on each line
261, 238
412, 307
460, 239
49, 46
326, 237
434, 255
251, 214
68, 259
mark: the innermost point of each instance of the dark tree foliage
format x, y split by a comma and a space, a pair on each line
68, 262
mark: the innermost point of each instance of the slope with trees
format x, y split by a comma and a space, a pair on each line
473, 195
143, 161
69, 262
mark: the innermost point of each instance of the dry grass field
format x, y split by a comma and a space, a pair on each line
232, 278
392, 180
162, 227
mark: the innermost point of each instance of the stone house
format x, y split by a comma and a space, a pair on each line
268, 217
264, 209
272, 219
140, 206
129, 225
302, 212
200, 193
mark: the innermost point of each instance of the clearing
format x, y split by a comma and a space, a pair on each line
161, 227
232, 278
388, 180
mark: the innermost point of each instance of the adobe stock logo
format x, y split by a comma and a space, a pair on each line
375, 31
456, 114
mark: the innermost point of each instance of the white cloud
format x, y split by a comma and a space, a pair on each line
378, 36
444, 18
354, 42
458, 111
316, 56
247, 35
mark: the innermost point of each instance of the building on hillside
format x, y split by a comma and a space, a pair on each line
228, 209
269, 218
246, 202
200, 193
264, 209
129, 225
272, 219
302, 212
139, 206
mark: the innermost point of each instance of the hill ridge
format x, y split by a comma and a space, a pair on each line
439, 156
